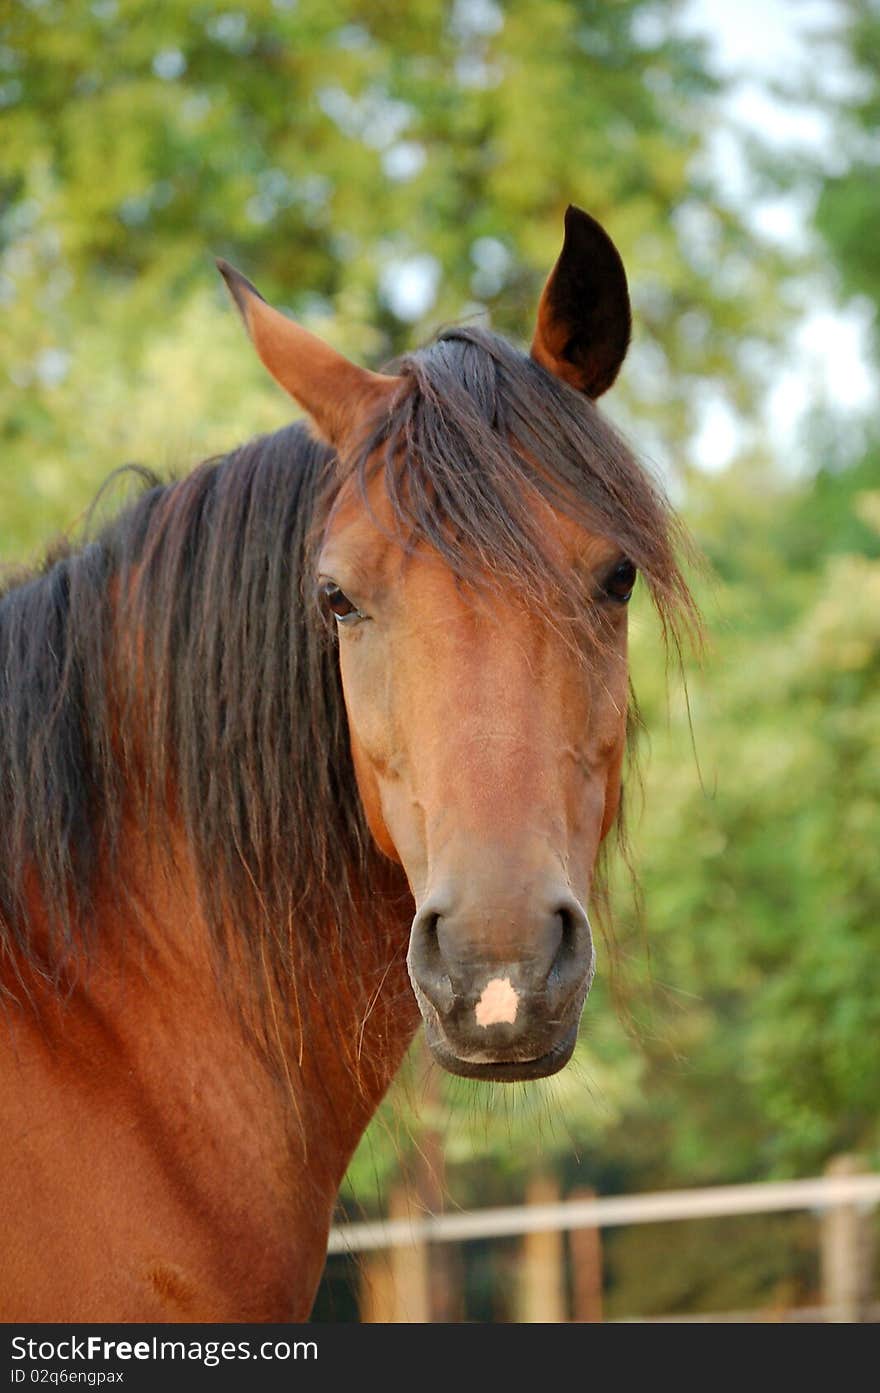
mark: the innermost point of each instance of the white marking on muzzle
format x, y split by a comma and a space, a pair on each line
499, 1003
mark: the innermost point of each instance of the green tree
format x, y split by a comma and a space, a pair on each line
378, 170
850, 198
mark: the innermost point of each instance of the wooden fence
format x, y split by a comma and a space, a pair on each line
396, 1274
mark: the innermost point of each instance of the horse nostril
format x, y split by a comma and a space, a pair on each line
575, 949
426, 963
569, 928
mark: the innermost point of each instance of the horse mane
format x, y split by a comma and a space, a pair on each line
176, 666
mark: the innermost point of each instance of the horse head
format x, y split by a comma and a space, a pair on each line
476, 555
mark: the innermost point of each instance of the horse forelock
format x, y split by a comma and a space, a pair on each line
479, 438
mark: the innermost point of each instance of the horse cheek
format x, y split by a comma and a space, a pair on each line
371, 799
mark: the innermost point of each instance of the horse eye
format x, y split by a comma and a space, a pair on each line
619, 584
337, 603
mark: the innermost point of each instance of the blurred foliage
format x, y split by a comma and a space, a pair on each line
770, 1264
850, 200
378, 171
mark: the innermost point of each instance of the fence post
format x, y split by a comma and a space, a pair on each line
376, 1289
846, 1251
542, 1263
445, 1276
585, 1246
409, 1264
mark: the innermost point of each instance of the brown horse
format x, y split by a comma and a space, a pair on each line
323, 736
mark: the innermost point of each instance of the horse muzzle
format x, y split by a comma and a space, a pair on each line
501, 989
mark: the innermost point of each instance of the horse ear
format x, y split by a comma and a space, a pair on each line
584, 319
336, 393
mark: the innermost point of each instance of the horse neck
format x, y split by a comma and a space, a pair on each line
253, 1107
327, 1042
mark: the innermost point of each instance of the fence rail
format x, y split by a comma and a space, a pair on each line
406, 1274
820, 1193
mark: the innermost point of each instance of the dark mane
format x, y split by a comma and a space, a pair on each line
181, 649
